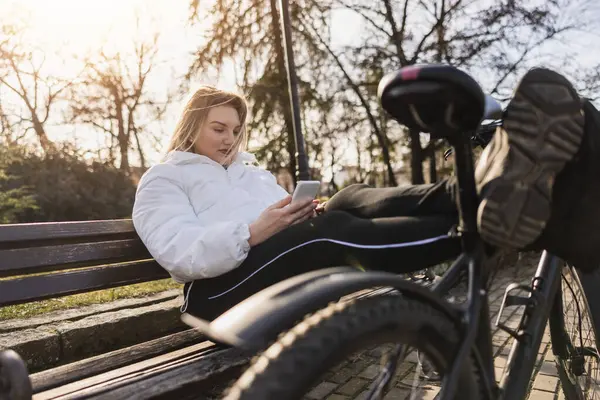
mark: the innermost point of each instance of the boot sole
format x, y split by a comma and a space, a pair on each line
545, 122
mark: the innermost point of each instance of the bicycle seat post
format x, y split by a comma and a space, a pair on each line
466, 191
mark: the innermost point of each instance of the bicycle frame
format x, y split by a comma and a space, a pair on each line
476, 319
476, 340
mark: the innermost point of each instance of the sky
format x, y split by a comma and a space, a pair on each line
67, 27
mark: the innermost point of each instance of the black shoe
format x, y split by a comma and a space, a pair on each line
541, 131
573, 230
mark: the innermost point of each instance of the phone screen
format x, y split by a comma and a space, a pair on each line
306, 189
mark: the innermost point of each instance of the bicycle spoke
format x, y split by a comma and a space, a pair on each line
415, 382
383, 379
583, 363
414, 373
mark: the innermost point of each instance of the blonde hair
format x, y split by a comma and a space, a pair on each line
194, 116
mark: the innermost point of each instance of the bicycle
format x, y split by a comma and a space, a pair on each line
453, 341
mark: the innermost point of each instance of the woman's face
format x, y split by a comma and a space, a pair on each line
218, 134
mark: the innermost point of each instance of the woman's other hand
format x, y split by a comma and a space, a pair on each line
278, 217
320, 207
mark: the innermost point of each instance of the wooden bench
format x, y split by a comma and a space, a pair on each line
49, 260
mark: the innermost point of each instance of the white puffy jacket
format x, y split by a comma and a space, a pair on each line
193, 214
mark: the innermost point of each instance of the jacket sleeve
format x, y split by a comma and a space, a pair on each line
167, 224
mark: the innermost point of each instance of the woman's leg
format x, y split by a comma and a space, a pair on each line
411, 200
397, 244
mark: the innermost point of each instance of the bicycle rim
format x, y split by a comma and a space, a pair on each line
579, 367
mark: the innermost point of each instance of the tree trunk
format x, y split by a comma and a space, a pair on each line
416, 158
432, 167
139, 146
122, 137
38, 127
333, 186
124, 154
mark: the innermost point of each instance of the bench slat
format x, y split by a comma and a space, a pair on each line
159, 377
41, 287
63, 230
39, 259
78, 370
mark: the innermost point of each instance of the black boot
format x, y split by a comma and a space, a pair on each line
573, 230
541, 131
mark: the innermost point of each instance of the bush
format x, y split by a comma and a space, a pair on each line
61, 186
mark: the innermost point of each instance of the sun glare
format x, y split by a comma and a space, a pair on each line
76, 24
85, 25
64, 32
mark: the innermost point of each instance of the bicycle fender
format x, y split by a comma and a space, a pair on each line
258, 320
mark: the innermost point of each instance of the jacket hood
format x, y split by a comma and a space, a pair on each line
177, 157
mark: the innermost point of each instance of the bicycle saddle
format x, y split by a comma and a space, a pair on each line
438, 99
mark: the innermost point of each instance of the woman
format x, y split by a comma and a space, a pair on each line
225, 228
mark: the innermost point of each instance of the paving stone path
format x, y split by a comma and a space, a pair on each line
352, 379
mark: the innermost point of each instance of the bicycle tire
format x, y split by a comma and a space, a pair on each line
300, 356
561, 342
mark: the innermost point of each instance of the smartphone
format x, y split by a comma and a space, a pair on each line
306, 190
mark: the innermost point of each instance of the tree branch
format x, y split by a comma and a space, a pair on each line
433, 29
360, 11
364, 103
524, 54
396, 37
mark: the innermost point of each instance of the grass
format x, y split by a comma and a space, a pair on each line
84, 299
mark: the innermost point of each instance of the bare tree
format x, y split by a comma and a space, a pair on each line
365, 104
114, 98
22, 72
495, 40
498, 39
590, 83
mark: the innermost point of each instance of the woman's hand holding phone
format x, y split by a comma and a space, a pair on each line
279, 216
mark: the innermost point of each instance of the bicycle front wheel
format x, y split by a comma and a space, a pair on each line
423, 339
573, 335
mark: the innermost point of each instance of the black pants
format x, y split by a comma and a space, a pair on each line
399, 229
